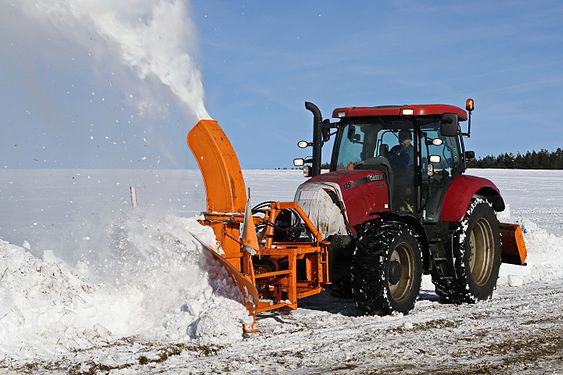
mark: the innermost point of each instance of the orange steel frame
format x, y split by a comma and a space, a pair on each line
275, 285
279, 289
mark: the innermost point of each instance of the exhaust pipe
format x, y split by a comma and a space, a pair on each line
317, 137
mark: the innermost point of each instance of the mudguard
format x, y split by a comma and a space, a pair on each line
461, 191
457, 200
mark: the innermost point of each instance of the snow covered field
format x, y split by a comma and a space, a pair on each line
89, 285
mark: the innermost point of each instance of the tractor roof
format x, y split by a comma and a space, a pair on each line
399, 110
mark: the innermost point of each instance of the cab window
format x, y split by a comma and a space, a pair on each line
447, 148
351, 146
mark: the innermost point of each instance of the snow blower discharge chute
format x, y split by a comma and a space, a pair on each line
382, 221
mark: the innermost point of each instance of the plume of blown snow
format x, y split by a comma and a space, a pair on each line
154, 38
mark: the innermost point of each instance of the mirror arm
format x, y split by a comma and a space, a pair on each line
469, 126
468, 134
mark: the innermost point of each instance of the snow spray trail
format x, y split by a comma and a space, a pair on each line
155, 38
157, 285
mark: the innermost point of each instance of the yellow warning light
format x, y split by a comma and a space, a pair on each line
469, 104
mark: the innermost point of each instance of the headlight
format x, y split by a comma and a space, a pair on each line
299, 162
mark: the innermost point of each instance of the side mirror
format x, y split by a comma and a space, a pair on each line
326, 130
469, 155
449, 125
351, 132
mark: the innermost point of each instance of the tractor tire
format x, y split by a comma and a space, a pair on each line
386, 269
476, 251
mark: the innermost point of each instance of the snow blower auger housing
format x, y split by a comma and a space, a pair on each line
278, 256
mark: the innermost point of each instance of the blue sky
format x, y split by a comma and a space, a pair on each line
65, 106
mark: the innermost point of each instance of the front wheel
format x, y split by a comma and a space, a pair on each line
477, 256
387, 268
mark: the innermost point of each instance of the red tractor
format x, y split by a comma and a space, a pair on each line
396, 204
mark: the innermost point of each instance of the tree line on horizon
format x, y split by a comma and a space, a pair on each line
542, 159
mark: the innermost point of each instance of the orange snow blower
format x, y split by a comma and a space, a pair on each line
270, 271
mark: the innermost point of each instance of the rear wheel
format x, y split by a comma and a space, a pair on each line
477, 256
387, 269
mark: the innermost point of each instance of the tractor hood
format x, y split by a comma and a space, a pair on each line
338, 201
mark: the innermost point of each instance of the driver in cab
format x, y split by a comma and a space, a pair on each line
402, 155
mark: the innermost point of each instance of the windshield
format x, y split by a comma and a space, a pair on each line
363, 143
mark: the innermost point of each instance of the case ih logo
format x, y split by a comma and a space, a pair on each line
374, 177
363, 180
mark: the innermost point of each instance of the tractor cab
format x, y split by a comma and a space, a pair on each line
419, 148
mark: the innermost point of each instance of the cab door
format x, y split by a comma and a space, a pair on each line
440, 162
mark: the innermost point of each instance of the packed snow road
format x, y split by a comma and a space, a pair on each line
519, 331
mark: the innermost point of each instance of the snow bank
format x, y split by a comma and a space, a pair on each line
155, 282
